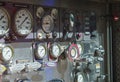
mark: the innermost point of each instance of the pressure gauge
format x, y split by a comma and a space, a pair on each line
73, 52
41, 51
54, 13
39, 12
7, 53
23, 22
80, 47
55, 50
47, 23
4, 21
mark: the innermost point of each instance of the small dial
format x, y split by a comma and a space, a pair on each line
80, 47
41, 51
23, 22
40, 12
7, 53
56, 50
47, 23
73, 52
54, 13
4, 21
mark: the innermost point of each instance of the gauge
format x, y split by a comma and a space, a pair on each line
71, 19
41, 51
56, 50
39, 12
47, 23
73, 52
7, 53
4, 21
80, 47
54, 13
23, 22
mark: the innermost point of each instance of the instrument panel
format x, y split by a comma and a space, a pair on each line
49, 44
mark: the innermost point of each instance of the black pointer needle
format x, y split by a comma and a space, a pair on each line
23, 21
1, 17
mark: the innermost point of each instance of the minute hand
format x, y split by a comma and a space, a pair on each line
23, 21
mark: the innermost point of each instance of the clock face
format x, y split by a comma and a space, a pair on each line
56, 50
41, 51
47, 23
7, 53
4, 21
23, 22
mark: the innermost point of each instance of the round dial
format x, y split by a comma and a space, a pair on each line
4, 21
41, 51
80, 78
47, 23
80, 47
56, 50
7, 53
39, 12
54, 13
73, 52
23, 22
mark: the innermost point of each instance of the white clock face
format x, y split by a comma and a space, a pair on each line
4, 21
7, 53
80, 48
41, 51
23, 22
56, 50
80, 78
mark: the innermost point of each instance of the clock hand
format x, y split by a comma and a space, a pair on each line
1, 17
23, 21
